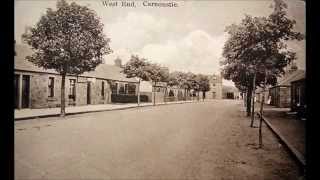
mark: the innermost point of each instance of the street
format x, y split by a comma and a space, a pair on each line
200, 140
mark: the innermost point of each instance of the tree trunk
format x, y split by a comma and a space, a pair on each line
139, 93
253, 97
165, 96
244, 96
63, 101
249, 94
261, 110
198, 95
154, 94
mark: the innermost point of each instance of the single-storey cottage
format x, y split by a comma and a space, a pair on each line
36, 87
298, 97
281, 93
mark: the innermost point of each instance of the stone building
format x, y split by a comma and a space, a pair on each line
298, 96
36, 87
148, 88
281, 93
230, 92
215, 91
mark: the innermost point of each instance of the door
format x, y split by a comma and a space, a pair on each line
16, 91
88, 93
72, 92
213, 95
25, 91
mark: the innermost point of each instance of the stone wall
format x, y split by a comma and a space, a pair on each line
284, 97
149, 94
39, 90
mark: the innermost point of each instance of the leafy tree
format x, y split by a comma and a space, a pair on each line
256, 52
179, 79
137, 67
69, 40
157, 73
204, 84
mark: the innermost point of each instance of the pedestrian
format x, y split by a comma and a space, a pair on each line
203, 95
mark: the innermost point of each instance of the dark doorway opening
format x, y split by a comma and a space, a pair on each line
230, 95
25, 91
88, 93
213, 95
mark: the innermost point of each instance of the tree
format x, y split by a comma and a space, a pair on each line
69, 40
256, 53
157, 73
137, 67
179, 79
204, 84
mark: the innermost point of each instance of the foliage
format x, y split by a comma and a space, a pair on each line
137, 67
203, 82
257, 45
69, 39
157, 73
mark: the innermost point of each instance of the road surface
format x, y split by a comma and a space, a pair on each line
203, 140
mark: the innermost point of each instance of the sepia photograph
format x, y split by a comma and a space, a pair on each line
160, 89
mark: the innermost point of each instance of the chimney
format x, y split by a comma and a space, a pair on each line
117, 62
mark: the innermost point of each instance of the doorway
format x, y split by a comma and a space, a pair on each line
25, 100
213, 95
88, 93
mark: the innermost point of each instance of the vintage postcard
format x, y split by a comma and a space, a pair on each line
159, 89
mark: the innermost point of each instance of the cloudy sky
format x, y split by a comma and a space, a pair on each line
187, 38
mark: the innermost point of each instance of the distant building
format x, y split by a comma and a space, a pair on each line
148, 88
230, 92
175, 93
36, 87
215, 91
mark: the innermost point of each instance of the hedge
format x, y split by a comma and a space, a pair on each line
124, 98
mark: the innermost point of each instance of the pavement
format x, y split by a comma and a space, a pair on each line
289, 128
205, 140
21, 114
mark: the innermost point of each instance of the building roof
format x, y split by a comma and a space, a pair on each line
20, 62
103, 71
230, 89
299, 77
289, 77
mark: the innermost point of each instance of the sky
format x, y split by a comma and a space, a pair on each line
189, 37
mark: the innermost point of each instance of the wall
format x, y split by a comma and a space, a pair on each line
149, 94
39, 90
284, 97
145, 86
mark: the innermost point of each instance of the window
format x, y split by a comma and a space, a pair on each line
131, 88
102, 90
114, 87
72, 89
51, 87
213, 84
122, 88
126, 88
